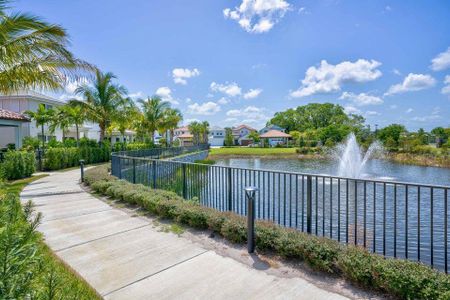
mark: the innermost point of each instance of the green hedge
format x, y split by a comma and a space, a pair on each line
402, 278
18, 164
61, 158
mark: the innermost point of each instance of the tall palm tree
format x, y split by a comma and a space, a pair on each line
103, 100
59, 119
204, 131
41, 116
196, 129
125, 120
172, 118
34, 54
154, 109
76, 115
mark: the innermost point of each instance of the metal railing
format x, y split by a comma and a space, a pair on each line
396, 219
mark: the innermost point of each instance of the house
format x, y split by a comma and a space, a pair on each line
11, 124
22, 101
274, 137
240, 135
183, 135
271, 127
216, 136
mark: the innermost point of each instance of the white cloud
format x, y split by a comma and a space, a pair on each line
411, 83
252, 93
257, 16
71, 86
446, 89
349, 109
441, 61
136, 95
223, 101
230, 89
328, 78
393, 106
409, 110
435, 115
166, 95
189, 121
372, 113
180, 75
396, 72
207, 108
361, 99
249, 114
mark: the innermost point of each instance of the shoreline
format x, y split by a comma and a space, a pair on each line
400, 158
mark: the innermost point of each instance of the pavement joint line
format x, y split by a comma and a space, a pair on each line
84, 214
51, 194
155, 273
100, 238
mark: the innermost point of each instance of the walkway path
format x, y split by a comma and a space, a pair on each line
124, 257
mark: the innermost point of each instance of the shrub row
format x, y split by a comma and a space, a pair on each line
17, 164
402, 278
60, 158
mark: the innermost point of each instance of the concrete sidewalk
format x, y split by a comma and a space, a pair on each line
124, 257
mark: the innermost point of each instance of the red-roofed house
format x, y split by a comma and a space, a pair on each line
11, 125
240, 135
274, 137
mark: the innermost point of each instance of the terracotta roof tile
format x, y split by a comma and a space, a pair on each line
275, 134
10, 115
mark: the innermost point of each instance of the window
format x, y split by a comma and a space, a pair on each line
117, 139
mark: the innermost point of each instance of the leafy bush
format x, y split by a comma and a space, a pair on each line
61, 158
402, 278
18, 164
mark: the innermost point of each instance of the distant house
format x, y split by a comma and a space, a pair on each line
271, 127
275, 137
240, 135
183, 135
216, 136
12, 122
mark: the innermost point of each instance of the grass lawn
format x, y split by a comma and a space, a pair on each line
52, 279
243, 151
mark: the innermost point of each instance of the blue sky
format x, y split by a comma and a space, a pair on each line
230, 62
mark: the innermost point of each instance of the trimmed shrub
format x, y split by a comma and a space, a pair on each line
401, 278
18, 164
61, 158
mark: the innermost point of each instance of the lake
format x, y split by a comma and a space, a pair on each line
375, 169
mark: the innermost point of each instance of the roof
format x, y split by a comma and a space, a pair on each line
185, 136
244, 126
10, 115
216, 128
275, 127
184, 128
32, 95
275, 134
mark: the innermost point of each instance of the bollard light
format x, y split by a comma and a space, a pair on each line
82, 169
250, 195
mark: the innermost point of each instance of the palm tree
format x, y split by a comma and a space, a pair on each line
125, 120
76, 116
172, 118
59, 119
204, 131
42, 116
196, 129
103, 101
154, 110
34, 54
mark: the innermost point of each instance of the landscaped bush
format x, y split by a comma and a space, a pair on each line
401, 278
18, 164
61, 158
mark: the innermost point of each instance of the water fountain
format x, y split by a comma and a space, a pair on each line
352, 158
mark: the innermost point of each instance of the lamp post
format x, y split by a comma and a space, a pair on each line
250, 194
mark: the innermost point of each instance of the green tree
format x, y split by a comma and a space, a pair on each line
154, 110
196, 129
296, 135
76, 115
441, 136
204, 132
124, 120
390, 135
229, 140
254, 135
34, 53
172, 118
103, 100
42, 117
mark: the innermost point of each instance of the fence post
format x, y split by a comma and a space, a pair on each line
184, 181
250, 193
309, 204
40, 159
134, 170
230, 190
154, 173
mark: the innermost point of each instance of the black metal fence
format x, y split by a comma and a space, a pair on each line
397, 219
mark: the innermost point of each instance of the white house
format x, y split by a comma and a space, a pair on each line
216, 136
28, 100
